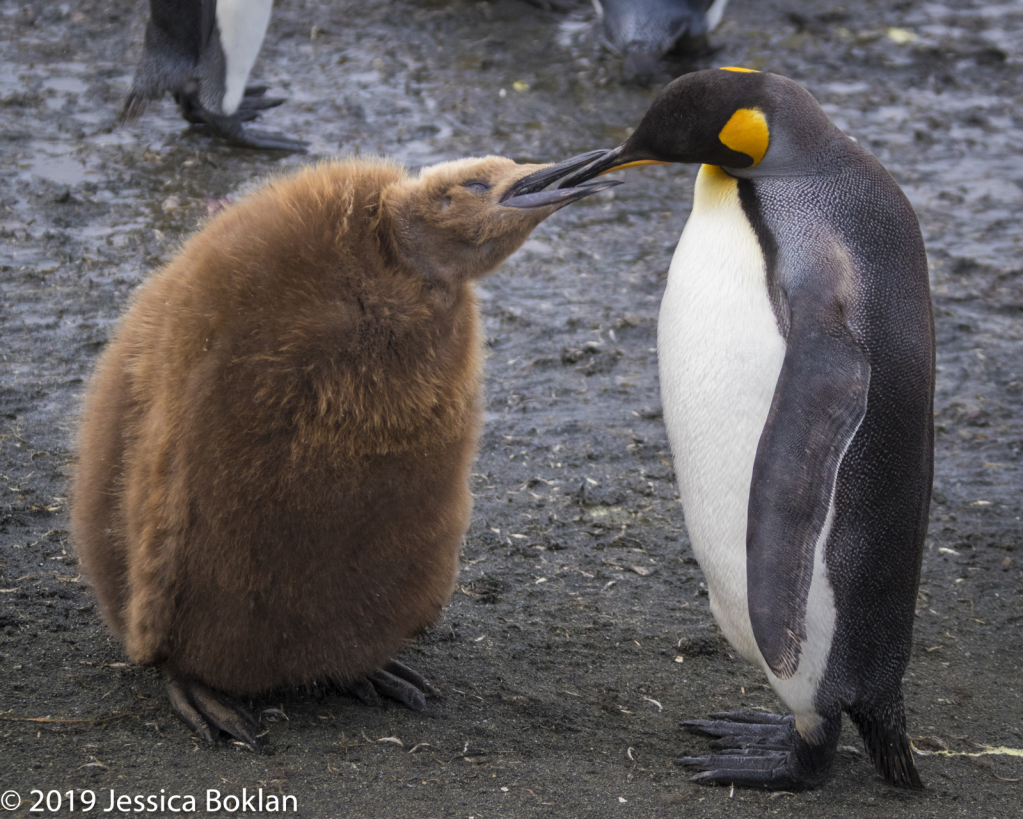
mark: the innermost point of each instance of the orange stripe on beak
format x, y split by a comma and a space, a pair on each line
633, 165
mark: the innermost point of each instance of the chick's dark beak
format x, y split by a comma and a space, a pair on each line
557, 196
544, 177
529, 192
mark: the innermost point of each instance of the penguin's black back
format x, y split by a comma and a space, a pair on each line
882, 493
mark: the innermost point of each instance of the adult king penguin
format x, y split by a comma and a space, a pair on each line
796, 349
202, 52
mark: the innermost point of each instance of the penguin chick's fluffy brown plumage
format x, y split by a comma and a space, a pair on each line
275, 450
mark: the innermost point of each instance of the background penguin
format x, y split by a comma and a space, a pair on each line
202, 52
796, 351
644, 31
272, 485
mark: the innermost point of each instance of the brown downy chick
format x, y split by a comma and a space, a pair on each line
275, 449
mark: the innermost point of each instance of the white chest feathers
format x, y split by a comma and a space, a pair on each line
242, 25
720, 353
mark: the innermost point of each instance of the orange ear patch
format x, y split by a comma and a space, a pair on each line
747, 133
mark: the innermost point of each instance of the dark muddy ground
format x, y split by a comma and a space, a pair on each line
580, 636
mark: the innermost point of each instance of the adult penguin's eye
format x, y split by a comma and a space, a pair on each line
477, 187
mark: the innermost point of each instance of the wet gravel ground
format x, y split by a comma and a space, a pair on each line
580, 636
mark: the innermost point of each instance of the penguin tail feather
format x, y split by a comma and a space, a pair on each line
135, 105
884, 736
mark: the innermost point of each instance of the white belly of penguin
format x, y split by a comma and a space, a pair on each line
242, 25
720, 353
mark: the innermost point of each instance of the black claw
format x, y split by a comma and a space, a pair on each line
254, 101
410, 675
395, 681
250, 107
399, 689
184, 711
240, 137
266, 141
365, 691
771, 742
750, 769
690, 761
742, 729
753, 717
237, 136
207, 712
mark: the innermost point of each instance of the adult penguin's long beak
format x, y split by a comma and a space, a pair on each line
616, 159
529, 192
571, 173
605, 162
552, 173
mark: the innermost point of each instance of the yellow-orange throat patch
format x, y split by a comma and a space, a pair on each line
747, 133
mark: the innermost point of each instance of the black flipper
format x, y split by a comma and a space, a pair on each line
819, 401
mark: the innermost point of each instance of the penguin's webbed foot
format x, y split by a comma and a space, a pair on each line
230, 129
208, 712
229, 126
737, 730
255, 101
262, 140
395, 681
758, 750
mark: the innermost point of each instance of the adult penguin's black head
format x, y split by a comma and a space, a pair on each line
749, 123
